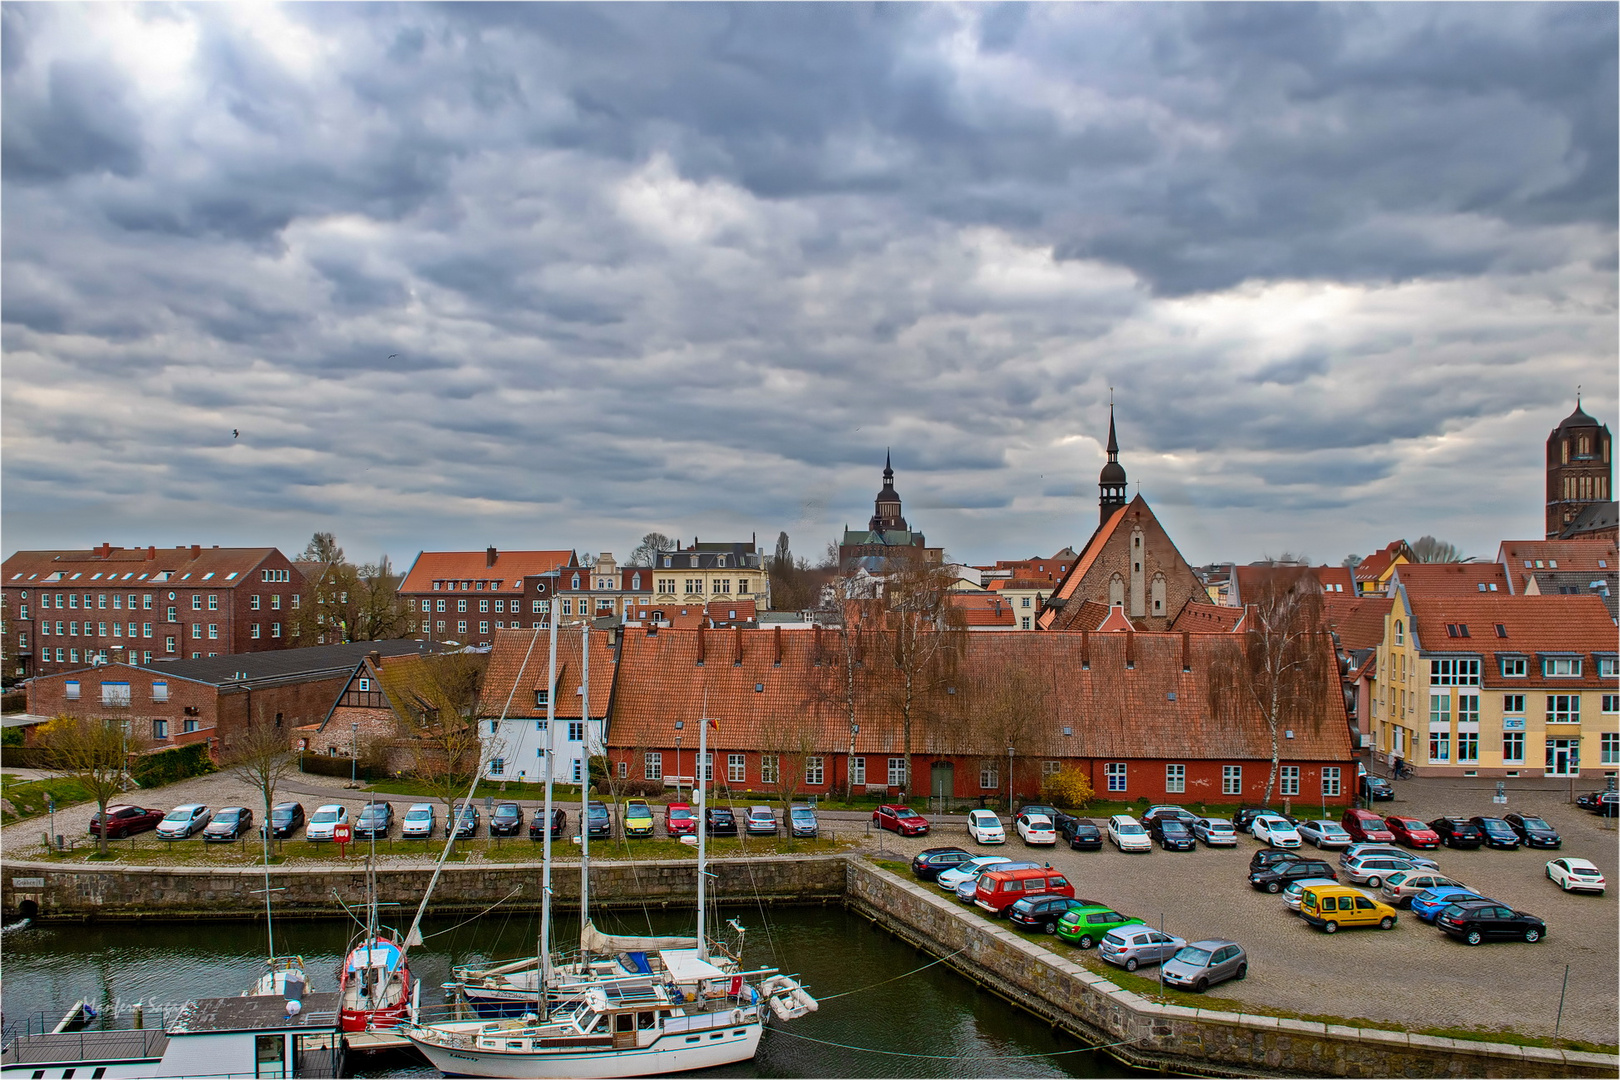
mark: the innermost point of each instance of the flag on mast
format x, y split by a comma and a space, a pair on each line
714, 723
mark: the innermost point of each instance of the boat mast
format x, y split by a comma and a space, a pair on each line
585, 780
543, 955
269, 927
702, 778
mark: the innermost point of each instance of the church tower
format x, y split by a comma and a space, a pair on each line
886, 516
1579, 469
1111, 481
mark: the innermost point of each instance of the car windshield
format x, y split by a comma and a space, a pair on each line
371, 810
281, 813
506, 810
1128, 829
905, 811
322, 816
1192, 955
418, 815
802, 813
1535, 823
228, 815
181, 814
601, 812
1172, 825
680, 813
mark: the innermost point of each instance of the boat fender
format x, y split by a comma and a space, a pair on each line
736, 1016
294, 1006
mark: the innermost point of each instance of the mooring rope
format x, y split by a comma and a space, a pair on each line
874, 986
946, 1057
480, 915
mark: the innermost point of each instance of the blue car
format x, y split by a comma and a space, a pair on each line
1431, 902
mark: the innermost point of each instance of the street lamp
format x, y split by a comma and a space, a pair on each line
354, 751
679, 724
1009, 781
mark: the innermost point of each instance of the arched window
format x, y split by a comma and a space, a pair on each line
635, 581
1400, 633
576, 581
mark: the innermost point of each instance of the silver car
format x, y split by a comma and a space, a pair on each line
969, 871
1292, 890
1203, 963
1132, 946
182, 821
1371, 870
1215, 831
1357, 850
1324, 833
1401, 886
419, 821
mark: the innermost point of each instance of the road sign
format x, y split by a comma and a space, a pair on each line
342, 832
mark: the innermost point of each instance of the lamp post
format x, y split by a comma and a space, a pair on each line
1009, 781
354, 751
679, 724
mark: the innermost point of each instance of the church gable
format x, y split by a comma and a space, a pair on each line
1131, 562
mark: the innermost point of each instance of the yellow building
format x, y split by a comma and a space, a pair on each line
704, 572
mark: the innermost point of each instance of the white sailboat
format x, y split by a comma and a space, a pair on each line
676, 1011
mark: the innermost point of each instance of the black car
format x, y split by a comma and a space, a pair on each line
1607, 804
469, 824
1173, 834
1272, 879
928, 865
1533, 832
559, 824
598, 821
1375, 787
1056, 816
228, 824
1484, 920
1497, 833
719, 821
374, 820
1588, 800
506, 819
1458, 832
1041, 912
1160, 813
1266, 858
1082, 834
286, 818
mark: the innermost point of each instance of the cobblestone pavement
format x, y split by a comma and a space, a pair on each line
1413, 975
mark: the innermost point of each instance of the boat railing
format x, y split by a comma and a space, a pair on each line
44, 1047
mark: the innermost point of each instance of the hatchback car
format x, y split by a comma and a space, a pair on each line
463, 820
506, 819
1204, 963
1057, 817
1127, 834
1244, 818
1179, 813
1036, 830
1371, 870
182, 821
600, 823
679, 820
927, 865
1431, 902
1457, 832
1041, 912
324, 820
1269, 857
123, 821
1357, 850
900, 819
1275, 831
967, 870
1576, 875
286, 818
229, 824
420, 818
638, 819
761, 821
1215, 832
1366, 826
1082, 834
1323, 833
1412, 832
1401, 886
1376, 788
1173, 835
1475, 921
1533, 832
1330, 907
719, 821
1132, 946
374, 820
984, 827
1497, 833
1273, 878
559, 824
802, 822
1085, 926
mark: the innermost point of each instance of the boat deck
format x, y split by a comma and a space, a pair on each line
89, 1046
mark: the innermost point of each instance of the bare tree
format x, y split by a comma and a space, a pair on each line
260, 758
435, 700
651, 544
1427, 550
89, 751
1282, 666
1004, 705
1350, 562
924, 637
354, 603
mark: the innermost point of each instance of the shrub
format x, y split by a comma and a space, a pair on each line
325, 765
1069, 789
170, 766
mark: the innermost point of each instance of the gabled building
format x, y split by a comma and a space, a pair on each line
604, 590
1372, 573
515, 687
1247, 581
464, 597
703, 572
1563, 568
1450, 579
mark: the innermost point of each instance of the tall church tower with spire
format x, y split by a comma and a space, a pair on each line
1579, 470
886, 507
1111, 481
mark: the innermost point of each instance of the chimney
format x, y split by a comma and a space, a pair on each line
817, 632
196, 550
1130, 648
489, 557
700, 643
778, 636
151, 551
1085, 650
736, 637
374, 658
104, 550
1186, 651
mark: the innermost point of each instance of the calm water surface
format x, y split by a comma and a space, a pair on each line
891, 1021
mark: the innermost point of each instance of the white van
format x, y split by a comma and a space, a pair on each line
1127, 834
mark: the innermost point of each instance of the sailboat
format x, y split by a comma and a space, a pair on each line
374, 982
673, 1011
285, 976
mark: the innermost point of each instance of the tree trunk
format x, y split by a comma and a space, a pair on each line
101, 841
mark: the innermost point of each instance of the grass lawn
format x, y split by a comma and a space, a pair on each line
26, 798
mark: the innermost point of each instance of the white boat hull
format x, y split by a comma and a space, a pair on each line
673, 1052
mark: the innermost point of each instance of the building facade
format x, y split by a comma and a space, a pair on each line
465, 597
604, 590
705, 572
512, 708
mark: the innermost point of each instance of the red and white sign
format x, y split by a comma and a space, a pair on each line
342, 832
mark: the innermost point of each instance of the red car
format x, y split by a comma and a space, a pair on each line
123, 820
679, 820
1364, 826
901, 819
1412, 832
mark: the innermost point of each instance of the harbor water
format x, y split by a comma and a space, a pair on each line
887, 1010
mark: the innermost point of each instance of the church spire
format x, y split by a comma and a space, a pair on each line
888, 469
1111, 484
1113, 439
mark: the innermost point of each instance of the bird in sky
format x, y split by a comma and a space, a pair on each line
235, 434
392, 355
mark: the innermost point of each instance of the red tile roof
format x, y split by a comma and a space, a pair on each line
1088, 616
190, 567
511, 654
1249, 579
981, 610
1359, 621
508, 571
1530, 625
1584, 556
1451, 577
1077, 572
1207, 618
1116, 622
1379, 561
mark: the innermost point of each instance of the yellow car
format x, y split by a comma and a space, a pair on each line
1332, 906
638, 819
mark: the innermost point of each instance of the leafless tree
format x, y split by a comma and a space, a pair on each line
89, 751
1427, 549
924, 635
435, 702
1007, 704
353, 603
322, 548
651, 544
261, 758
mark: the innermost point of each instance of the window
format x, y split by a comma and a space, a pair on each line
576, 731
770, 770
253, 602
1468, 709
115, 693
694, 585
1231, 779
160, 691
1025, 602
1611, 703
169, 614
1023, 622
169, 643
461, 605
1440, 708
624, 769
1400, 633
1513, 704
427, 605
568, 606
652, 766
542, 697
1513, 748
1050, 768
497, 766
897, 772
1610, 752
722, 585
1175, 778
1439, 745
440, 606
461, 626
160, 729
275, 629
742, 587
1455, 672
213, 631
196, 630
213, 602
1607, 666
1563, 667
1115, 772
666, 584
146, 602
736, 769
989, 776
483, 628
71, 689
196, 602
857, 770
1330, 781
812, 771
1563, 708
1290, 780
1467, 744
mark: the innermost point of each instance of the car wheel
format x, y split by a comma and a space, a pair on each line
1085, 941
1202, 985
1474, 937
1532, 935
1131, 964
1330, 927
1386, 923
1374, 882
1050, 927
1242, 972
1274, 887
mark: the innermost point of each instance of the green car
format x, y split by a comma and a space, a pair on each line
1085, 926
638, 819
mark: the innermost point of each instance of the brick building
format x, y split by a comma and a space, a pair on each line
464, 597
1580, 471
1130, 562
110, 604
1563, 568
604, 590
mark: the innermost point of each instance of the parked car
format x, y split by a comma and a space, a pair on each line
182, 821
1082, 834
463, 820
1412, 832
679, 820
1085, 926
1244, 818
324, 820
373, 820
1215, 831
231, 823
1328, 907
719, 821
559, 824
761, 821
506, 819
1057, 817
1475, 921
1402, 885
985, 827
967, 870
638, 819
1132, 946
1497, 833
998, 890
1576, 875
1154, 813
1324, 833
286, 818
900, 819
600, 823
1371, 870
1375, 787
1366, 826
1590, 800
928, 865
1431, 902
420, 819
1127, 834
124, 820
1292, 891
1357, 850
1608, 805
1273, 830
968, 891
1456, 832
1273, 878
1041, 912
1173, 834
1534, 832
802, 822
1266, 858
1204, 963
1036, 830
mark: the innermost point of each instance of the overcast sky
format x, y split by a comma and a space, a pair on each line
555, 276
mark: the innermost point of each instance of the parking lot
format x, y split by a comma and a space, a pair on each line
1413, 975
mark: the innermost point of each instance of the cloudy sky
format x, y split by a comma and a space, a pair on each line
554, 276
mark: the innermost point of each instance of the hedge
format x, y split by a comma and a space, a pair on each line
24, 757
326, 765
171, 766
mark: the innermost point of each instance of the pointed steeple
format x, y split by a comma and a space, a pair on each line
1113, 439
888, 469
1111, 483
886, 516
